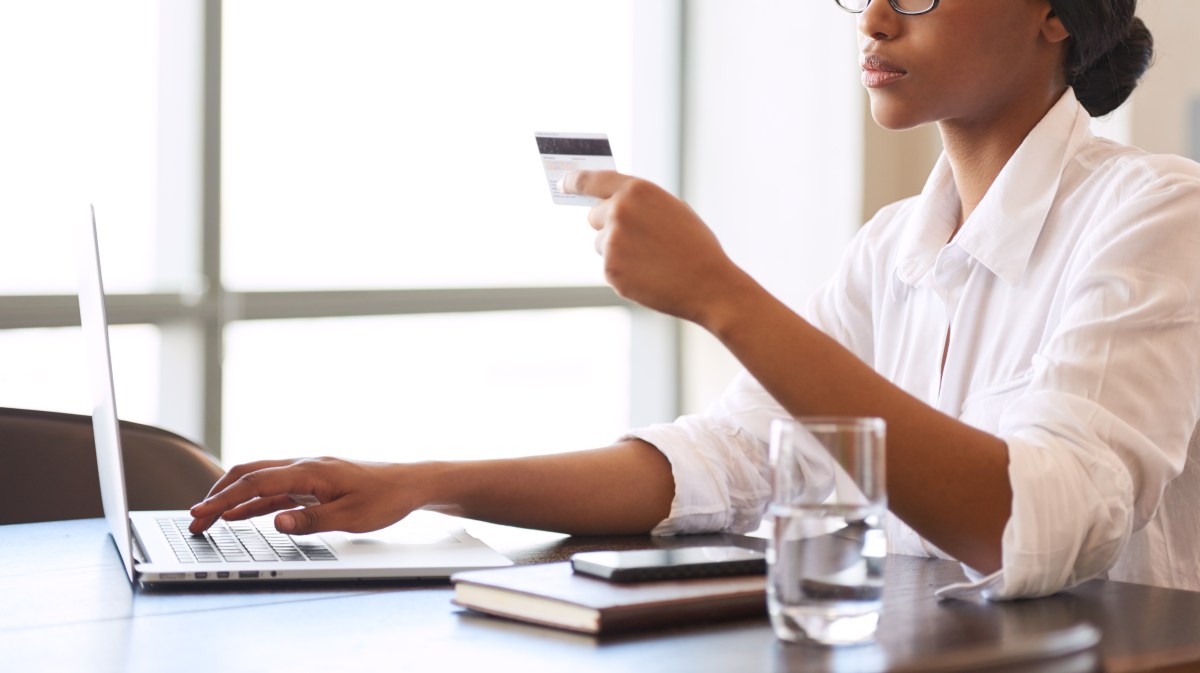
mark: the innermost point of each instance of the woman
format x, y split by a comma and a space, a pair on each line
1029, 327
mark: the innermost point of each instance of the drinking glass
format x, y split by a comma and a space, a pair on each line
825, 560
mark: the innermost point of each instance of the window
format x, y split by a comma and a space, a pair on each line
318, 216
79, 124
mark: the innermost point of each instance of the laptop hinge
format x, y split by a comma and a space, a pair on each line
138, 551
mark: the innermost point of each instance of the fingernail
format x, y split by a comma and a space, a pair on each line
285, 523
196, 507
561, 184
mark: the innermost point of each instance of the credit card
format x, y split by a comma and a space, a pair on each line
563, 153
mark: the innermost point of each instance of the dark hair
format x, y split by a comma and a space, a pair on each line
1110, 49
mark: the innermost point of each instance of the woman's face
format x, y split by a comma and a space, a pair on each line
967, 61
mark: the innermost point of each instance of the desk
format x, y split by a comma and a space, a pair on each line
65, 605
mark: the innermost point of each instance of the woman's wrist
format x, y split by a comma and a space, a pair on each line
428, 485
726, 307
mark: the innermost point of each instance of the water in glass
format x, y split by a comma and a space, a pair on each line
826, 572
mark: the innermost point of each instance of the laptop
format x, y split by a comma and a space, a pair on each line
156, 547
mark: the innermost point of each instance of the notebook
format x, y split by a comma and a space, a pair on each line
552, 595
156, 547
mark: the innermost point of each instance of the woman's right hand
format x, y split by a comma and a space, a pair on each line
333, 494
623, 489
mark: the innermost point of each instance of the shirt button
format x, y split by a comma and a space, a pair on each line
950, 265
946, 265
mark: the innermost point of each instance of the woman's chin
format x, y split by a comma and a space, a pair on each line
894, 116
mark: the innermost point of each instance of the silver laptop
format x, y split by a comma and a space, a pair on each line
157, 548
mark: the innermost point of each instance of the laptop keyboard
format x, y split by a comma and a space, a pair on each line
240, 541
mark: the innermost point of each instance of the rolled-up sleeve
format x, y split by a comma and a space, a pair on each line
719, 461
1104, 425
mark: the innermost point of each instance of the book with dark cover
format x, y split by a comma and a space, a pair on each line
552, 595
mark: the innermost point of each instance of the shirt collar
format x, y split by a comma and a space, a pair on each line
1003, 230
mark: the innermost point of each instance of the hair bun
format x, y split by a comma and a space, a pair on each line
1107, 81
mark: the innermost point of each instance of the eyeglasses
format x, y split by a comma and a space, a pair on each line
909, 7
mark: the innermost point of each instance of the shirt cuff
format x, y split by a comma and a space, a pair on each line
977, 586
1063, 530
719, 484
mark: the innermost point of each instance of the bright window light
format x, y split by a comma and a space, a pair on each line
80, 85
390, 144
426, 387
47, 369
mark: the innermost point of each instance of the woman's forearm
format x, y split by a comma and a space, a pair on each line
946, 479
620, 489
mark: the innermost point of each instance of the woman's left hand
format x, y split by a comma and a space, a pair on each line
656, 250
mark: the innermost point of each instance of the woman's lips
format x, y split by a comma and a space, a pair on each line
878, 73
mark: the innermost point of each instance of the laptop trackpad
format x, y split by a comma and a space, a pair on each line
399, 535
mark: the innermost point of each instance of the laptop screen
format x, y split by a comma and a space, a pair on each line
104, 403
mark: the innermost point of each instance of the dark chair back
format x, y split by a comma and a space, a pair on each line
48, 467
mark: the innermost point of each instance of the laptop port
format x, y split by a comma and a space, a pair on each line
201, 576
247, 574
223, 574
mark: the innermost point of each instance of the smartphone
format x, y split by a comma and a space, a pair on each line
669, 564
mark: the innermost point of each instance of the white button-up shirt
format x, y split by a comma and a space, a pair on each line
1071, 303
